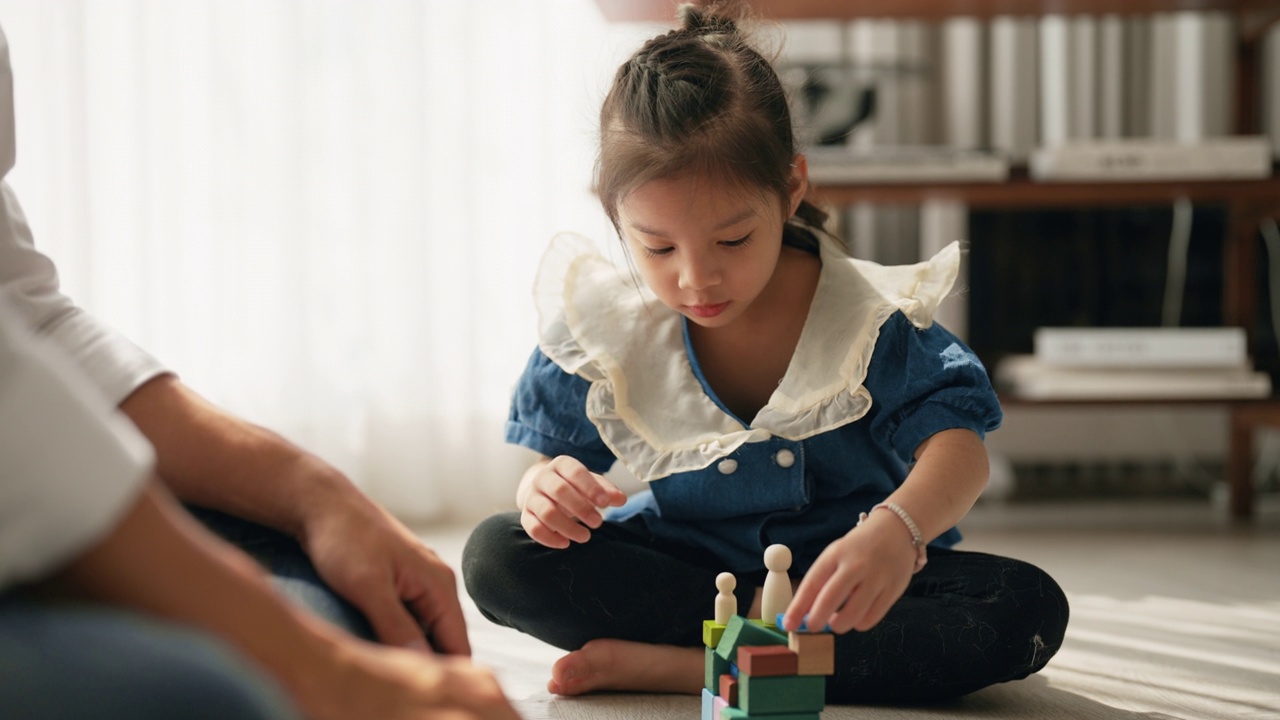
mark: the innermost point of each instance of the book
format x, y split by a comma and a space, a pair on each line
919, 163
1152, 347
1242, 156
1024, 376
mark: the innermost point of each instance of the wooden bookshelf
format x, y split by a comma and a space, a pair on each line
1247, 202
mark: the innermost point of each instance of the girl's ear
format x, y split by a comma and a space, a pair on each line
799, 185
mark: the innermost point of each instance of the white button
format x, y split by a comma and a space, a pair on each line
785, 458
727, 466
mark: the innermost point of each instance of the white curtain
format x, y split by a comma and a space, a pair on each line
325, 215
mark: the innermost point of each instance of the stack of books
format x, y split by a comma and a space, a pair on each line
1134, 364
830, 165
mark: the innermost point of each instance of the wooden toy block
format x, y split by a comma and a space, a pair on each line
741, 632
715, 667
718, 705
708, 705
739, 714
776, 695
817, 652
712, 631
729, 689
767, 661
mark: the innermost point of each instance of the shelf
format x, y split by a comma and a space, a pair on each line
1255, 15
1024, 192
1248, 202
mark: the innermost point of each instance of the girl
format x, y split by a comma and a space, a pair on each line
769, 389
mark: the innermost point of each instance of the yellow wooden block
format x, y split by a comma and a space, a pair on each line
817, 652
711, 632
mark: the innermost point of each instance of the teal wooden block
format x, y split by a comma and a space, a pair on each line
711, 633
715, 666
734, 713
788, 694
741, 631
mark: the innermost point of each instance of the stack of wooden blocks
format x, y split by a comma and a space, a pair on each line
757, 670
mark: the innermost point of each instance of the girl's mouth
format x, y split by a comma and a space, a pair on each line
707, 311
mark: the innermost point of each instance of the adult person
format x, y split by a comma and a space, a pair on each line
327, 544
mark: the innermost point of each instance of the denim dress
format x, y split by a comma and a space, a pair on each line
615, 378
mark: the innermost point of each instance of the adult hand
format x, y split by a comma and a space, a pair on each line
558, 500
394, 684
857, 578
408, 594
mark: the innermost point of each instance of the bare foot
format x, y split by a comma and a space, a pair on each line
609, 664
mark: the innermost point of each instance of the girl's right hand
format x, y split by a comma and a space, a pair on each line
558, 500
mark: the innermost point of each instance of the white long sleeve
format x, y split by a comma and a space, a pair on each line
70, 463
109, 360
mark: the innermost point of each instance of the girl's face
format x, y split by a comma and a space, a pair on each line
707, 249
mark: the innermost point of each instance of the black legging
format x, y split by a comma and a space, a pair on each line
966, 621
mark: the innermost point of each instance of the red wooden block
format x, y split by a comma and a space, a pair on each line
767, 661
729, 689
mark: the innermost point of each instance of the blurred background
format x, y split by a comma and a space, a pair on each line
326, 215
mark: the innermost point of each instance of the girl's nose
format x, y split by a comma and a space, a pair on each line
699, 274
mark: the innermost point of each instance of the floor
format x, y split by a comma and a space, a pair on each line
1175, 614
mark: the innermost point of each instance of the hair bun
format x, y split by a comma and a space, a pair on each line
708, 19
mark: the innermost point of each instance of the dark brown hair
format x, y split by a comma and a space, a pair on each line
698, 100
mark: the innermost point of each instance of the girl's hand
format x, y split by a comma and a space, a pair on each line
857, 578
558, 497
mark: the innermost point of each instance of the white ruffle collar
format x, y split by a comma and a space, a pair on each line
645, 399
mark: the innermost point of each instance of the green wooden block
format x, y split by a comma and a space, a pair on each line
740, 631
734, 713
787, 694
711, 633
715, 667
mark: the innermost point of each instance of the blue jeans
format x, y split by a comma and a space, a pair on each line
86, 661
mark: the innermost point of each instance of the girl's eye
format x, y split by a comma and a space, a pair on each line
741, 242
652, 252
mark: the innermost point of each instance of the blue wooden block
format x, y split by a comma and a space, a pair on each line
804, 624
708, 705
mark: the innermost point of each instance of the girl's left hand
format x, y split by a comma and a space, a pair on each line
857, 578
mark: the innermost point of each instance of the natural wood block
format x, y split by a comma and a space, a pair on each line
817, 652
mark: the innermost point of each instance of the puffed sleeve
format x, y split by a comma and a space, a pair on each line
70, 465
923, 382
548, 415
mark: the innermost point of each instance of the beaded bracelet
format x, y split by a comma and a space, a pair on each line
917, 541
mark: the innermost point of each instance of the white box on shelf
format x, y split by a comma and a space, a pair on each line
1024, 376
1149, 347
1136, 159
915, 163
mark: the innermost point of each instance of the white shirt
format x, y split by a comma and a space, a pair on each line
69, 463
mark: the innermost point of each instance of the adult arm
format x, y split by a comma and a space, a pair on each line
211, 458
207, 456
160, 561
80, 511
